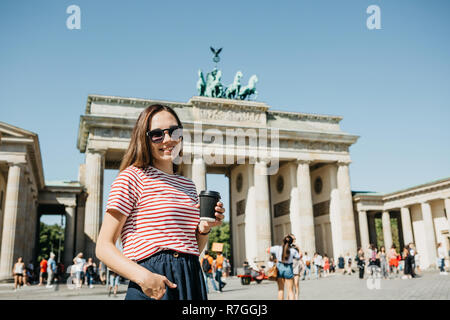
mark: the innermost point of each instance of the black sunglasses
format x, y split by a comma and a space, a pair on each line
157, 135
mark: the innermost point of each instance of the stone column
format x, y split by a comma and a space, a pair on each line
199, 173
302, 218
258, 221
69, 237
430, 238
335, 215
447, 210
22, 222
29, 223
406, 225
95, 164
387, 233
346, 206
79, 238
12, 208
363, 229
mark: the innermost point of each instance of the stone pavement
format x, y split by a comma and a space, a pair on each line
431, 285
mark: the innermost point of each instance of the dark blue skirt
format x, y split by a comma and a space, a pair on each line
180, 268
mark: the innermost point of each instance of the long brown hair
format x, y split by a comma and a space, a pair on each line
287, 241
139, 153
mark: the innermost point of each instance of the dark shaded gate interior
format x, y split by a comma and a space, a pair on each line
374, 219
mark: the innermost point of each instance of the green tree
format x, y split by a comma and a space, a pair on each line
221, 234
49, 240
394, 232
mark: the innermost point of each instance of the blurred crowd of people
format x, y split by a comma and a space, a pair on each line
294, 265
49, 273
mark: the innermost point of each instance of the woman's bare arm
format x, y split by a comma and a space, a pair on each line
152, 284
107, 251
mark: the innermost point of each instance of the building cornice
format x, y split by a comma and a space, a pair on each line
388, 200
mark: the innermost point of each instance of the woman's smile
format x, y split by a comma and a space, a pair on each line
167, 150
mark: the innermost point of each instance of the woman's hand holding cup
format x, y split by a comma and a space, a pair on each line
204, 226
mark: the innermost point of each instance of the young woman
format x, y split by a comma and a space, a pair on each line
156, 212
361, 262
373, 256
407, 271
384, 263
78, 265
114, 280
393, 260
90, 272
18, 270
285, 256
326, 266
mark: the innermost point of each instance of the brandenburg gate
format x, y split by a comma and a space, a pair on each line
271, 158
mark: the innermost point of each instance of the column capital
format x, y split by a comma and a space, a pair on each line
197, 156
102, 152
303, 161
264, 160
20, 164
343, 162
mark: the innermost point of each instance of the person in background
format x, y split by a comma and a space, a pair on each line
225, 268
307, 263
61, 269
384, 263
361, 262
90, 268
393, 260
285, 255
348, 264
417, 262
412, 252
341, 264
407, 270
272, 260
207, 266
326, 266
114, 280
28, 274
18, 270
51, 270
79, 263
318, 261
42, 271
102, 272
332, 266
441, 257
296, 267
228, 267
372, 259
218, 266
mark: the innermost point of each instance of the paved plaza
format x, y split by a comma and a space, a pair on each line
431, 285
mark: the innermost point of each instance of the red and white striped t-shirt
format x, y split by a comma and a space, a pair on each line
160, 210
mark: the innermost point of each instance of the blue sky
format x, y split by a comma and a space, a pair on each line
391, 86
